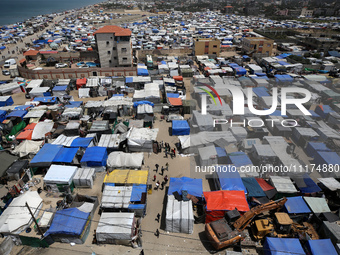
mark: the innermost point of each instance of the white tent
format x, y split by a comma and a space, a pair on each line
16, 218
179, 216
38, 91
115, 228
41, 129
83, 92
116, 196
110, 141
27, 147
141, 139
118, 159
84, 177
60, 175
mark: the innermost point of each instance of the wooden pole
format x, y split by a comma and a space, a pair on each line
35, 221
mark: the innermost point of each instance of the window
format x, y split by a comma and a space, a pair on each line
114, 57
107, 42
111, 37
215, 46
124, 50
113, 48
110, 61
268, 45
214, 52
124, 59
108, 52
206, 46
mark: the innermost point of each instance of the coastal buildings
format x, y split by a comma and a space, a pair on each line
262, 45
114, 46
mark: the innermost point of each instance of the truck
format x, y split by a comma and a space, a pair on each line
9, 62
222, 235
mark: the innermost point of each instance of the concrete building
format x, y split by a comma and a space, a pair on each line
321, 43
306, 13
262, 45
228, 9
114, 46
207, 46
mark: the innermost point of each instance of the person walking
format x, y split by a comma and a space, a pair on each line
157, 233
154, 178
166, 153
156, 168
158, 217
174, 151
162, 185
167, 166
162, 171
157, 185
166, 179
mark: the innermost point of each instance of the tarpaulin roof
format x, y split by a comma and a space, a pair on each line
74, 104
283, 77
282, 246
135, 104
50, 100
313, 147
317, 204
81, 81
180, 127
321, 247
173, 95
137, 191
127, 177
261, 92
306, 184
65, 155
326, 157
231, 180
192, 186
142, 72
239, 159
253, 187
25, 135
69, 221
175, 101
226, 200
296, 205
6, 100
17, 113
83, 142
60, 88
46, 155
95, 156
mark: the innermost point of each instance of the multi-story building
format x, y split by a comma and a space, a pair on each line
114, 46
207, 46
306, 13
321, 43
262, 45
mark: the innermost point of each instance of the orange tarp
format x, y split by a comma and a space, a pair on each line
175, 101
25, 135
264, 185
30, 126
178, 78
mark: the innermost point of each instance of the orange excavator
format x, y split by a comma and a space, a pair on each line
222, 235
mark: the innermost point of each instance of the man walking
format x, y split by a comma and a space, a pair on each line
157, 185
156, 168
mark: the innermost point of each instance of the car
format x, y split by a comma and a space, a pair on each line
5, 72
83, 66
172, 117
80, 63
61, 65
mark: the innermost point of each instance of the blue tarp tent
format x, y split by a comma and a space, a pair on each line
6, 100
59, 88
129, 79
180, 127
321, 247
2, 115
83, 142
173, 95
22, 107
74, 104
313, 147
253, 187
326, 157
95, 156
296, 205
192, 186
314, 115
231, 180
283, 78
135, 104
323, 110
282, 246
221, 152
239, 159
46, 100
69, 221
46, 155
137, 191
17, 114
306, 184
261, 92
65, 155
240, 71
142, 72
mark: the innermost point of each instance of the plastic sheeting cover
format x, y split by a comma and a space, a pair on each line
282, 246
296, 205
119, 159
226, 200
192, 186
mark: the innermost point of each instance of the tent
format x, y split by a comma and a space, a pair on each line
327, 158
296, 205
179, 216
70, 225
283, 184
282, 246
305, 184
2, 115
118, 159
110, 141
6, 100
65, 155
330, 183
46, 155
115, 228
84, 177
253, 187
317, 204
180, 127
313, 147
320, 247
127, 177
207, 156
17, 114
94, 157
229, 180
267, 188
27, 147
217, 202
60, 176
17, 218
15, 171
116, 197
141, 139
6, 160
41, 129
239, 159
192, 186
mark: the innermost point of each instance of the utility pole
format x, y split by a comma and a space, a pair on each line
35, 221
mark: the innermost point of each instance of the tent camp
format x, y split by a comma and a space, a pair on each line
94, 157
180, 127
191, 186
317, 204
27, 147
16, 218
218, 202
141, 139
6, 100
84, 177
179, 216
115, 228
281, 246
296, 205
321, 246
127, 177
61, 177
118, 159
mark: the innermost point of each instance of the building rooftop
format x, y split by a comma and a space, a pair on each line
118, 31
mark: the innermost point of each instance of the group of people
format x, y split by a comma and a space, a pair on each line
166, 178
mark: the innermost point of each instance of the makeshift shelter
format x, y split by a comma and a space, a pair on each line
41, 129
80, 83
70, 225
190, 186
6, 160
40, 92
330, 183
94, 157
327, 158
118, 159
305, 184
253, 188
331, 230
227, 178
313, 147
267, 188
6, 100
281, 246
60, 178
320, 247
317, 204
84, 177
179, 216
207, 156
110, 141
127, 177
46, 155
296, 205
27, 147
115, 228
180, 127
283, 185
15, 171
59, 91
116, 197
141, 139
239, 159
218, 202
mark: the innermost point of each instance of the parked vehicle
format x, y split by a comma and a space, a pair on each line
61, 65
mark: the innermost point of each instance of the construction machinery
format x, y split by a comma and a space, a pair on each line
222, 235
